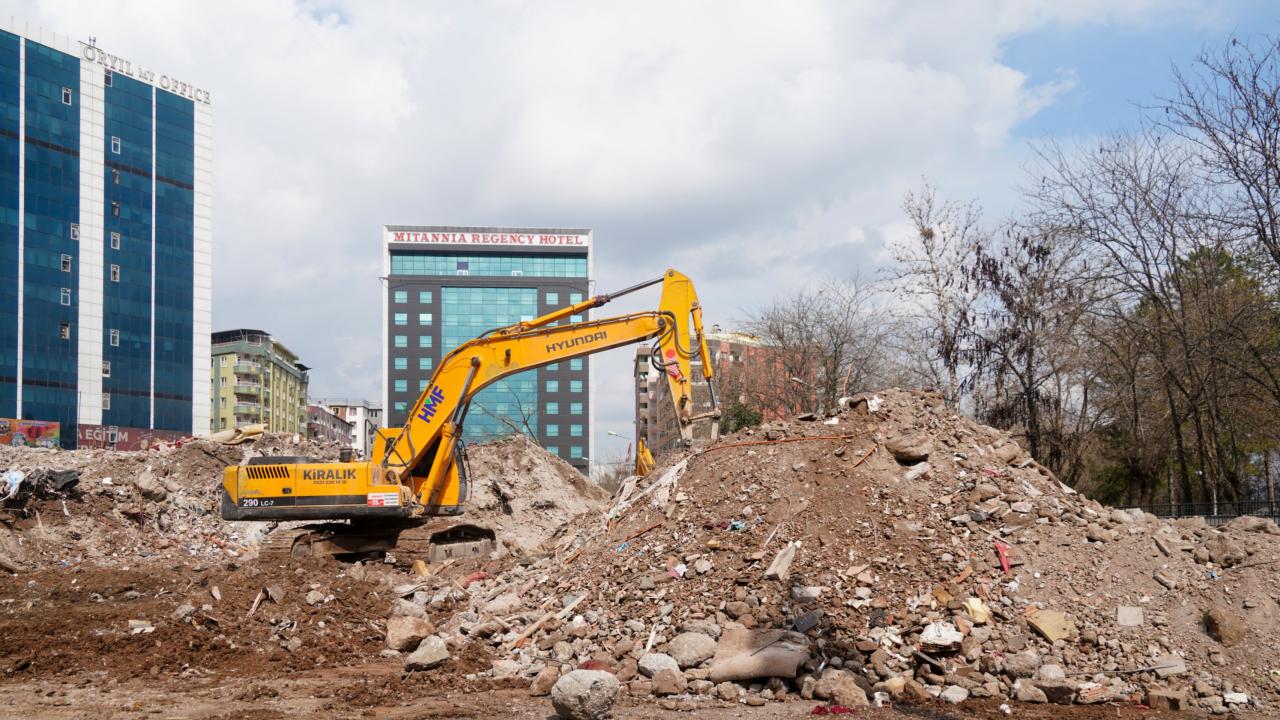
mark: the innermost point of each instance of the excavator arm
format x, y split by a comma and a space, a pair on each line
422, 455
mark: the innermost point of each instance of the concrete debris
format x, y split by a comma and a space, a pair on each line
745, 654
585, 695
431, 653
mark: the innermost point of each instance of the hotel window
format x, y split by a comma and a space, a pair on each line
424, 296
402, 386
575, 386
106, 78
424, 341
115, 208
115, 176
75, 231
553, 449
106, 401
401, 406
115, 241
115, 338
115, 145
422, 384
424, 318
575, 364
553, 408
401, 341
65, 296
66, 96
553, 386
553, 298
575, 452
553, 367
115, 273
553, 430
64, 331
402, 363
424, 363
400, 296
106, 368
575, 298
66, 263
401, 319
575, 408
575, 430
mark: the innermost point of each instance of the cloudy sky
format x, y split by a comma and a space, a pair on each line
755, 146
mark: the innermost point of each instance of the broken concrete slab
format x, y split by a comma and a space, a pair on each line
1053, 625
744, 654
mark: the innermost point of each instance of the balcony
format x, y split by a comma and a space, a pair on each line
247, 408
244, 368
247, 389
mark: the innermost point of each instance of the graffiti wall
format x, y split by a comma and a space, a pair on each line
41, 433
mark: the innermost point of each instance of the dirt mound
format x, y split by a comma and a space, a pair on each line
910, 552
526, 494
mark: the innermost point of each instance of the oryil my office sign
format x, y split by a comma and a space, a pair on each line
117, 64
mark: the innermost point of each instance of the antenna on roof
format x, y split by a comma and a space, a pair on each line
93, 41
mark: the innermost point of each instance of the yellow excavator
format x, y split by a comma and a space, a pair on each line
419, 470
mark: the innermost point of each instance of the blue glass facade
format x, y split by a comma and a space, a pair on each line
505, 265
511, 404
175, 206
126, 224
52, 205
9, 220
52, 239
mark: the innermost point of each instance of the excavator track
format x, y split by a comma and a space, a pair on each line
408, 540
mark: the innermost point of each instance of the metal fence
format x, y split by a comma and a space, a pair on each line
1213, 513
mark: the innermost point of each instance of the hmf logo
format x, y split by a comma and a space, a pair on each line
431, 404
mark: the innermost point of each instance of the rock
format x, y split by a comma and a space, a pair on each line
1022, 665
986, 491
1028, 693
918, 471
504, 604
691, 649
954, 694
585, 695
1053, 625
977, 610
781, 565
315, 597
405, 632
184, 611
911, 449
1008, 451
728, 691
1224, 625
668, 682
545, 680
431, 653
1251, 523
1224, 552
840, 687
1235, 698
1168, 582
745, 654
1128, 616
1060, 692
653, 663
737, 609
505, 669
1051, 672
940, 636
1164, 699
150, 488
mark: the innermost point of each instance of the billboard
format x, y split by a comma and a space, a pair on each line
40, 433
111, 437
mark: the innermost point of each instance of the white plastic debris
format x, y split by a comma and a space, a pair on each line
12, 481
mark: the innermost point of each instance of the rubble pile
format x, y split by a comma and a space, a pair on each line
525, 494
895, 551
110, 507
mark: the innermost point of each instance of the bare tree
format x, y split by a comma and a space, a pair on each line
931, 272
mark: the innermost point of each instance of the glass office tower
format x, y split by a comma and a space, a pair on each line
105, 239
448, 285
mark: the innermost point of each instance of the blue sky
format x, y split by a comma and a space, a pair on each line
1119, 67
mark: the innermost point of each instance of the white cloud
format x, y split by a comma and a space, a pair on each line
757, 146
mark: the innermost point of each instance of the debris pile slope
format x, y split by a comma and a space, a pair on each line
526, 494
121, 506
894, 550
